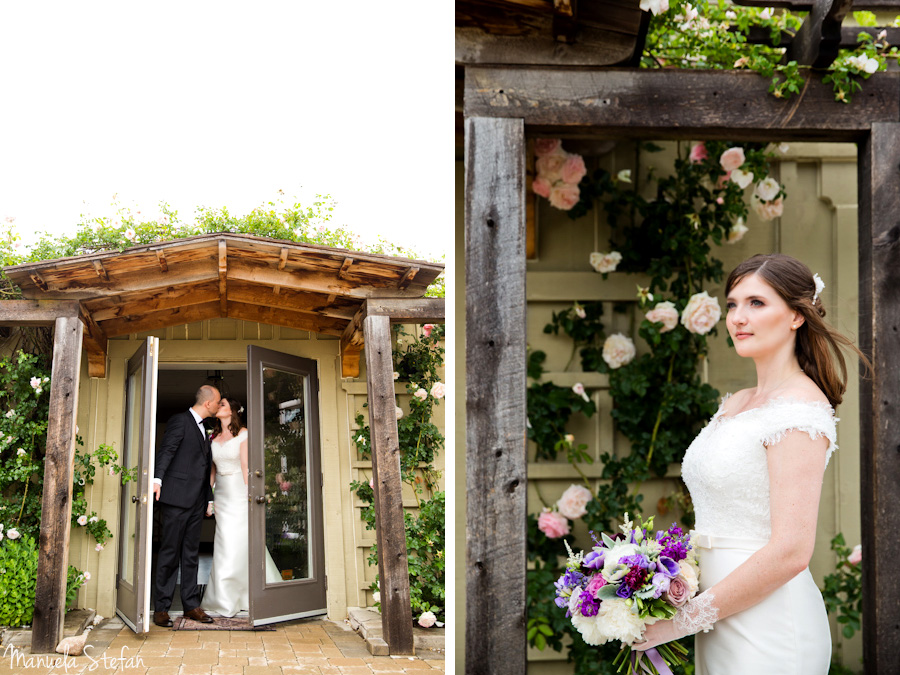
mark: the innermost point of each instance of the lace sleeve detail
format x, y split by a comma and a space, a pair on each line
811, 417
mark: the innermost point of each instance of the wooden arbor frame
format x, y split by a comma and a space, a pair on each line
500, 104
351, 295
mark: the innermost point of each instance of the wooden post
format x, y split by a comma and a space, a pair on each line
879, 322
390, 529
495, 396
56, 509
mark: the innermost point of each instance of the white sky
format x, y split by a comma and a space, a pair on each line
223, 104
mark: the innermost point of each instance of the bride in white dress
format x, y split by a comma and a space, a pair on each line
228, 591
755, 477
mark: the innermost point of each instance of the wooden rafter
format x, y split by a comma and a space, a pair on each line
311, 303
345, 266
161, 319
95, 343
407, 277
101, 270
39, 281
136, 304
277, 316
223, 272
161, 258
35, 312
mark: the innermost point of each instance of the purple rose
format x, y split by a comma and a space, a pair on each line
679, 591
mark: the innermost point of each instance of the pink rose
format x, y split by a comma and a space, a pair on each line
438, 390
550, 166
856, 556
699, 153
541, 187
732, 159
664, 313
421, 394
679, 591
553, 524
427, 620
701, 314
546, 146
573, 501
564, 196
723, 180
285, 486
573, 170
595, 584
427, 328
768, 210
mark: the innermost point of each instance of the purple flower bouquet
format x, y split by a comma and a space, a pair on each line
626, 583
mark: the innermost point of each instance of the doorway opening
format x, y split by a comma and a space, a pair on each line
177, 386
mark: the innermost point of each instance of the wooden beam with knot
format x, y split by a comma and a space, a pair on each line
817, 42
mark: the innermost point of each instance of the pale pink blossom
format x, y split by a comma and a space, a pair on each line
569, 438
701, 313
767, 13
573, 501
579, 311
398, 411
665, 313
723, 180
396, 375
82, 520
855, 556
438, 390
12, 533
421, 394
732, 159
618, 350
564, 196
553, 524
541, 187
741, 178
546, 146
741, 62
427, 620
578, 388
130, 234
98, 548
767, 189
573, 170
605, 262
550, 166
87, 576
737, 231
427, 328
699, 153
768, 210
655, 6
679, 592
285, 486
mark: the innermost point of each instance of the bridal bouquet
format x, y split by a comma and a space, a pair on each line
627, 583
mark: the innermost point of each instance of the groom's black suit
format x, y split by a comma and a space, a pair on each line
183, 465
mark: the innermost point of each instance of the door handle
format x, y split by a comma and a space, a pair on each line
258, 473
260, 500
134, 499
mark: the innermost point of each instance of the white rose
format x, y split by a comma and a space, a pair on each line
396, 375
768, 210
82, 520
701, 314
573, 501
21, 453
741, 177
618, 350
12, 533
130, 234
98, 547
871, 66
93, 519
87, 576
624, 175
570, 438
421, 394
399, 412
376, 597
690, 575
768, 189
427, 619
438, 390
665, 313
605, 262
35, 382
578, 388
737, 231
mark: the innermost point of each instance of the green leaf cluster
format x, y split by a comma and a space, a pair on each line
842, 590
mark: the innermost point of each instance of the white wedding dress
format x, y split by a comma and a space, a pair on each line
726, 471
228, 591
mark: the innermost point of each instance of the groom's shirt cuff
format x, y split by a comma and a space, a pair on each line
158, 481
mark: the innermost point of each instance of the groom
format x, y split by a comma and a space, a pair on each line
182, 490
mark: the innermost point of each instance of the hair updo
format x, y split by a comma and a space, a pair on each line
818, 345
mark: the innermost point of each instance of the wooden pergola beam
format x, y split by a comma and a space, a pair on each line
676, 104
36, 312
161, 319
169, 297
278, 316
95, 344
390, 530
223, 272
56, 505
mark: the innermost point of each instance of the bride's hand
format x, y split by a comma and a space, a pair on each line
210, 509
659, 633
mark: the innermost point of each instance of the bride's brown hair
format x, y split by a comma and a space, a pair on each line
237, 422
818, 345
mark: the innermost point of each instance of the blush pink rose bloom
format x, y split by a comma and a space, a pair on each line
553, 524
595, 584
605, 262
427, 328
573, 501
285, 486
664, 313
699, 153
438, 390
427, 619
421, 394
737, 231
732, 159
546, 146
618, 350
550, 166
573, 170
679, 591
856, 556
768, 210
564, 196
541, 187
701, 314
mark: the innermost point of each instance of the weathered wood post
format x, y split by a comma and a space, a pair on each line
56, 509
496, 463
390, 527
879, 336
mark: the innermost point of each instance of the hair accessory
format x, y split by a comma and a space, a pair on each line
241, 409
820, 285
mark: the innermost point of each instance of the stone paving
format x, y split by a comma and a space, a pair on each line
302, 647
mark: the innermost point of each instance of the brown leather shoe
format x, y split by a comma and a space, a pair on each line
197, 614
162, 619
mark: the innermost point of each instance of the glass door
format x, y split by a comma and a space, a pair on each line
287, 544
136, 508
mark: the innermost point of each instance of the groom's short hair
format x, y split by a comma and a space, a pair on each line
206, 393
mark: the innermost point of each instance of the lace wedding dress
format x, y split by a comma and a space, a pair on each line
228, 591
726, 471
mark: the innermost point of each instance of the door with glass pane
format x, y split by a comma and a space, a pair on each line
136, 508
287, 543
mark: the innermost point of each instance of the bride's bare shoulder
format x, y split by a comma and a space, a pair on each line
736, 402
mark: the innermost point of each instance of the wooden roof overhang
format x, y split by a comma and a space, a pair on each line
284, 283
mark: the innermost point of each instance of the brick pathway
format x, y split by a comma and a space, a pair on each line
303, 647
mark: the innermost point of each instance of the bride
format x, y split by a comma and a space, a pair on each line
755, 476
228, 590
